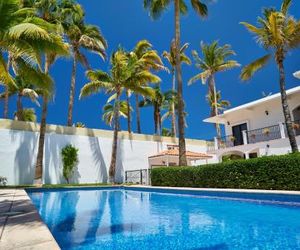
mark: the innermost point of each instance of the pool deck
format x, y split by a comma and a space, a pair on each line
20, 224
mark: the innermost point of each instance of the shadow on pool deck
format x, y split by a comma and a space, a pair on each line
20, 222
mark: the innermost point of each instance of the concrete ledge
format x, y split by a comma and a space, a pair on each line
57, 129
20, 224
229, 190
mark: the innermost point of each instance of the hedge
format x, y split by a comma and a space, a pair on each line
271, 173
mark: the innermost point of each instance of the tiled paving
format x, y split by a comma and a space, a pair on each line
20, 224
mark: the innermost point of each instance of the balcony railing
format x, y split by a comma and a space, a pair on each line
264, 134
210, 145
273, 132
226, 142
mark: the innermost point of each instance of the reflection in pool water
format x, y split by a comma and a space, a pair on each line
126, 219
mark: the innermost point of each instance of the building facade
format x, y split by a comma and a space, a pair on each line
257, 128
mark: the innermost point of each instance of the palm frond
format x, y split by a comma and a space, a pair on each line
94, 87
249, 70
200, 7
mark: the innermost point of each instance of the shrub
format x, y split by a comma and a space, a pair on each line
70, 160
3, 181
274, 172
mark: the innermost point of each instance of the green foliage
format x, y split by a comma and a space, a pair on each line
3, 181
70, 159
271, 173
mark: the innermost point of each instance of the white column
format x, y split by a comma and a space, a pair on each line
245, 137
216, 143
247, 155
282, 132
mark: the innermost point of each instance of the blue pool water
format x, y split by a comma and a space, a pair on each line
118, 218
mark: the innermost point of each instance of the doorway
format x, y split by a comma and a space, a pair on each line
237, 132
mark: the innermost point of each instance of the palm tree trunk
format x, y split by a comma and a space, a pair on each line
155, 119
213, 88
138, 115
159, 120
19, 108
72, 92
40, 155
182, 146
286, 110
112, 168
129, 113
173, 114
6, 95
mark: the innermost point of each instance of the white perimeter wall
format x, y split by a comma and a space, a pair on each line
18, 150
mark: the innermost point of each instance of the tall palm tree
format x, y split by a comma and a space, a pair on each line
80, 35
116, 83
171, 58
215, 59
278, 33
156, 7
48, 11
22, 36
144, 55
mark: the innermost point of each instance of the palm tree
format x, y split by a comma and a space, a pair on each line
171, 58
115, 83
148, 59
160, 101
28, 115
80, 35
156, 102
48, 11
278, 33
108, 112
22, 36
218, 105
22, 88
214, 61
156, 7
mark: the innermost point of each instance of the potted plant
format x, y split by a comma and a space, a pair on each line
266, 131
296, 126
70, 160
232, 138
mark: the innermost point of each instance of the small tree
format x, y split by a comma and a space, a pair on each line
70, 159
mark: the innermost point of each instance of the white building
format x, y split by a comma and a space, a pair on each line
257, 128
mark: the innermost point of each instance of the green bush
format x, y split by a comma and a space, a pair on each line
70, 160
274, 172
3, 181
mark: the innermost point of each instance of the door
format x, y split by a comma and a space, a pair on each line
237, 132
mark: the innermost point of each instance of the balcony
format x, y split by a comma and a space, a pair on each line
265, 134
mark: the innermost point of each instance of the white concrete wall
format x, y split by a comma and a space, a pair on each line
18, 149
256, 117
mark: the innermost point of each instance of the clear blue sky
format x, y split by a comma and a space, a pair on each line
125, 22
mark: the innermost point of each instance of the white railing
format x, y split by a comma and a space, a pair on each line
273, 132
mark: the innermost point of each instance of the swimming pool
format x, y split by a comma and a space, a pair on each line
132, 218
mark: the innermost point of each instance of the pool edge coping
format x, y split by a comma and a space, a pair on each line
22, 227
226, 190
